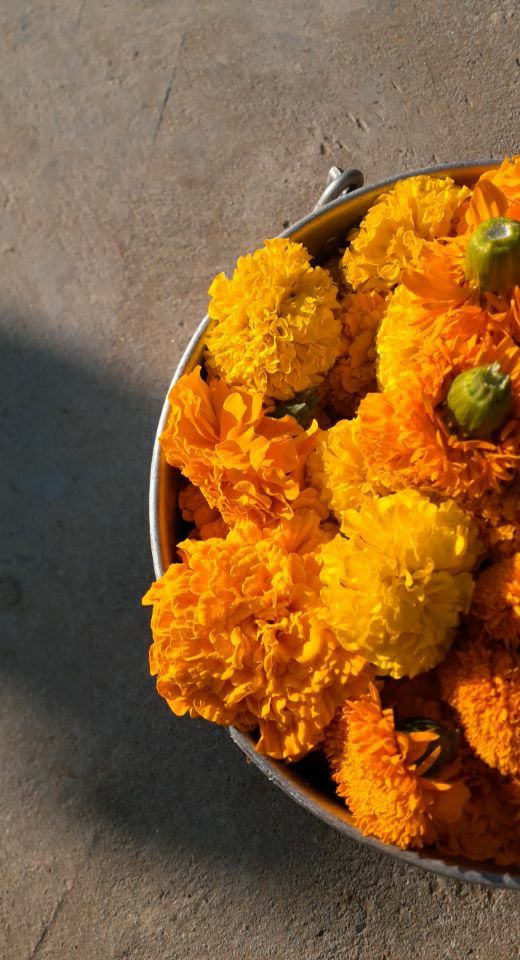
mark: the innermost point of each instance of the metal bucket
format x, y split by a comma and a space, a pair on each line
341, 206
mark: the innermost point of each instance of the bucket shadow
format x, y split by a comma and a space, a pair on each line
76, 445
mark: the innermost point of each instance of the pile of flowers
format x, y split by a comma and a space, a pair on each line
350, 577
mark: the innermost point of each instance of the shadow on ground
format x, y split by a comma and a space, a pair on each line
76, 446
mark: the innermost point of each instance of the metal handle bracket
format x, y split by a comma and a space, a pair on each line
339, 182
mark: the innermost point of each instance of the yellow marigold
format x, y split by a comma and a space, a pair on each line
195, 509
481, 681
353, 374
246, 464
239, 636
381, 774
496, 601
276, 327
335, 468
395, 589
392, 234
405, 438
488, 828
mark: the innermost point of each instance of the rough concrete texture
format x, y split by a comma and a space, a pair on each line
144, 145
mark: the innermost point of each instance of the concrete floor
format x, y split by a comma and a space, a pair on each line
144, 145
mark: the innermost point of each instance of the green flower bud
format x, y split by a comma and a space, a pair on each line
302, 407
479, 401
447, 741
493, 255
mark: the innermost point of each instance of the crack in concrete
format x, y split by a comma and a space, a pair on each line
49, 923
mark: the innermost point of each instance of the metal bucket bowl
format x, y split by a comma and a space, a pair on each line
340, 207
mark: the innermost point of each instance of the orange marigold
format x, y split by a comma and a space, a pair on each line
353, 374
438, 284
481, 681
195, 509
419, 696
506, 178
240, 637
382, 775
405, 439
496, 601
412, 335
488, 828
246, 464
498, 517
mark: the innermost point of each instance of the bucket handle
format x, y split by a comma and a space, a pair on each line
339, 182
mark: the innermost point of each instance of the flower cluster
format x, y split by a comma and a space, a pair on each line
350, 454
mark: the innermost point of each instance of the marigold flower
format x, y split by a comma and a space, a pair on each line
417, 697
481, 681
411, 334
276, 327
496, 601
246, 464
240, 637
379, 772
195, 509
335, 468
438, 283
405, 438
395, 589
353, 374
488, 827
393, 232
506, 178
499, 522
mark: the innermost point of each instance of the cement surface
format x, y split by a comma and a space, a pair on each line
144, 145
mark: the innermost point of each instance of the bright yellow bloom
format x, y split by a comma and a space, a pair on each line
395, 589
393, 232
276, 327
406, 440
240, 637
247, 465
335, 468
353, 374
195, 509
496, 601
381, 774
488, 828
481, 681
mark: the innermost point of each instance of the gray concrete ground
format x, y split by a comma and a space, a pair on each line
143, 146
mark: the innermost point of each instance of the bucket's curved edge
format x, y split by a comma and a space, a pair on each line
332, 814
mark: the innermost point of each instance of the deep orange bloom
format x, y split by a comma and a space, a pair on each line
496, 601
240, 636
489, 826
506, 179
406, 441
419, 696
381, 774
195, 509
498, 517
246, 464
481, 681
354, 373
